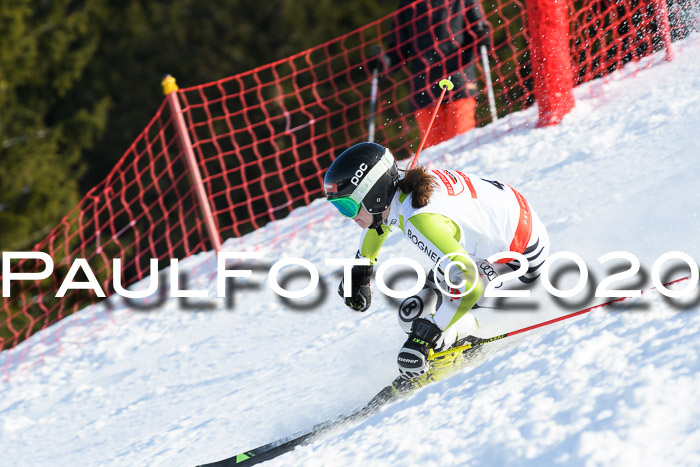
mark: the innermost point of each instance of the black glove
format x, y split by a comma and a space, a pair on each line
413, 356
377, 60
482, 30
360, 295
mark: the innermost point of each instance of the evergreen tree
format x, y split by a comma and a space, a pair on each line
46, 47
313, 22
198, 42
143, 40
80, 80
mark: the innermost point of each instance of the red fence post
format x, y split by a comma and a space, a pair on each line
170, 90
548, 25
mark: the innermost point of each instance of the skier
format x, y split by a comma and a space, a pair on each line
442, 212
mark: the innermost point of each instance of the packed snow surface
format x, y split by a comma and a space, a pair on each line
183, 382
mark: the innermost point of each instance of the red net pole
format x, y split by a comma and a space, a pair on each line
664, 26
170, 90
548, 24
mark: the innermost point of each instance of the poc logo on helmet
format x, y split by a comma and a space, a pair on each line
358, 174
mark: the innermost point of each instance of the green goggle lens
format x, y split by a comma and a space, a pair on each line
346, 206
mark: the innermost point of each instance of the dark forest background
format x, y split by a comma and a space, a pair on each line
79, 80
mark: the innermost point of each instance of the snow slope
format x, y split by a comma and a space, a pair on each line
185, 383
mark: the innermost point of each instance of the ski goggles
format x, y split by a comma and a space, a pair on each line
347, 206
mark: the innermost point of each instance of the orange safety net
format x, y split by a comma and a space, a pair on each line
264, 138
606, 35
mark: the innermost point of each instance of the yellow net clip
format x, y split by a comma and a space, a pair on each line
169, 85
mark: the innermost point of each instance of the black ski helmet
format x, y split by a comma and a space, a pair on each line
367, 172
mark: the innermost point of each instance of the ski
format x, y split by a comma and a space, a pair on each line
279, 447
444, 364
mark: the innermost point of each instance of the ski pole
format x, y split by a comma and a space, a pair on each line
489, 84
446, 85
535, 326
462, 348
372, 106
